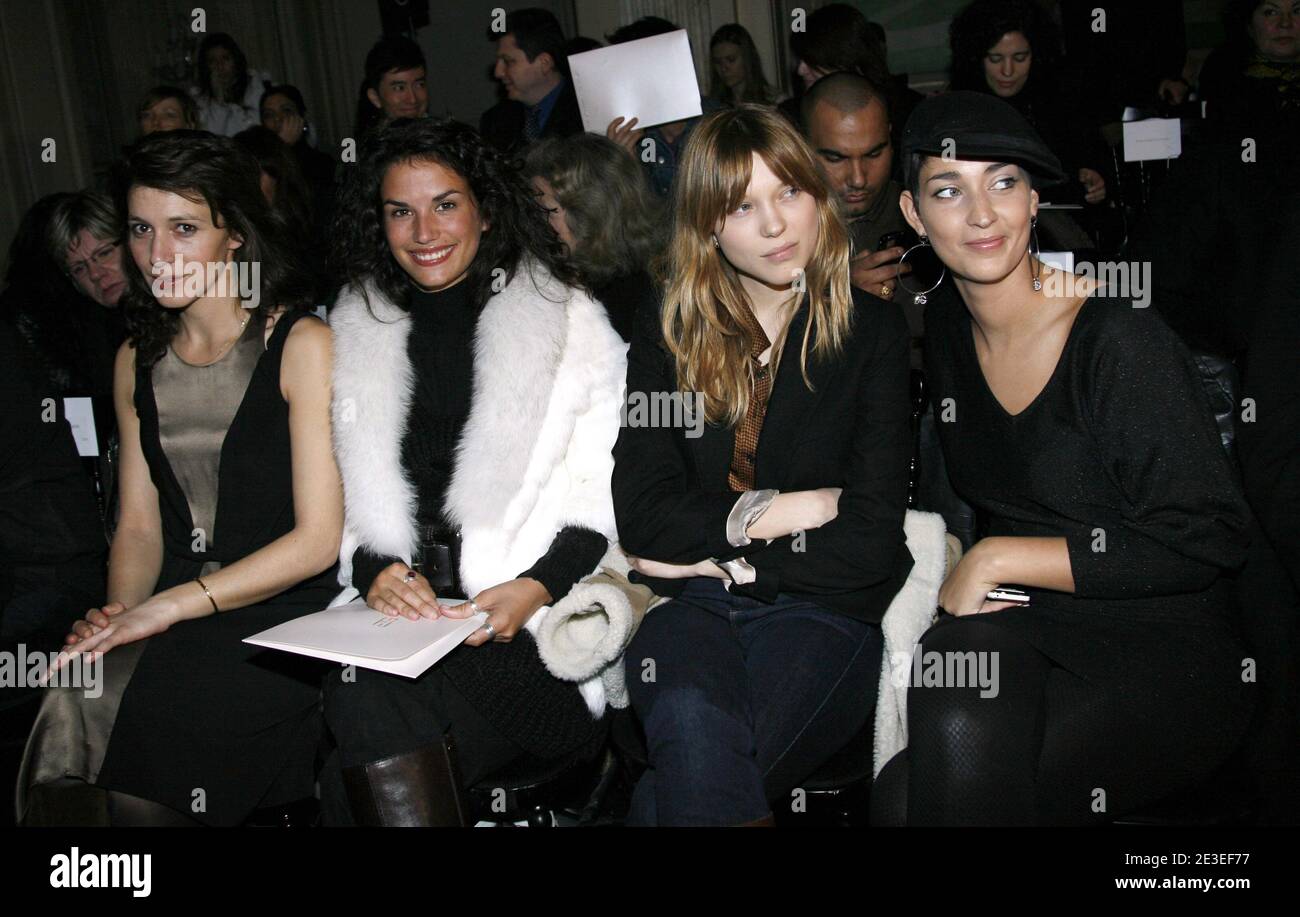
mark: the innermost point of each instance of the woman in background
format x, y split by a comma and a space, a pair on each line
228, 91
737, 73
1251, 84
1011, 49
580, 181
283, 183
285, 112
290, 197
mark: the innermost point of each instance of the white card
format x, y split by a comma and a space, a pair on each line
355, 634
651, 79
1154, 138
81, 417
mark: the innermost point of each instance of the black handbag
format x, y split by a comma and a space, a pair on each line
437, 559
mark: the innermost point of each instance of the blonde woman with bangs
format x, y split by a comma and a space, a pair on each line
760, 481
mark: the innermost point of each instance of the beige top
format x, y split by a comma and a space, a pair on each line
196, 406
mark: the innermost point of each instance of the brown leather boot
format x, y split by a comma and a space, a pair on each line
420, 788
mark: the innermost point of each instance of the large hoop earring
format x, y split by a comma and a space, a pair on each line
920, 297
1034, 251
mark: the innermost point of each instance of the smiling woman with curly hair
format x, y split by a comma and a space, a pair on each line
476, 400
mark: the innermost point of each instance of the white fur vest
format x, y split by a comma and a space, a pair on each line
535, 454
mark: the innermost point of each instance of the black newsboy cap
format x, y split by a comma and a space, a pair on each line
978, 126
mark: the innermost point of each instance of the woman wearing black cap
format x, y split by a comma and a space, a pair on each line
1075, 423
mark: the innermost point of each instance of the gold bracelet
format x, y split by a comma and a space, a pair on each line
208, 593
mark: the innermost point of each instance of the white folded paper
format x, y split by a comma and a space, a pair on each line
1154, 138
355, 634
650, 79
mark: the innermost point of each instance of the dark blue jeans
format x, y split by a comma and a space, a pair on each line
741, 700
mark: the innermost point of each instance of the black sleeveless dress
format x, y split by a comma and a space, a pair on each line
207, 724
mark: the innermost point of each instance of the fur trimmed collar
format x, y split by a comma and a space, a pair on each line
535, 453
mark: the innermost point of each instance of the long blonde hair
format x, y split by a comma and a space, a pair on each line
703, 299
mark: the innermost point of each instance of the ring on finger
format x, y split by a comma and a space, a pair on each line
491, 631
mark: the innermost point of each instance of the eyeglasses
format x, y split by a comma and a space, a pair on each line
102, 256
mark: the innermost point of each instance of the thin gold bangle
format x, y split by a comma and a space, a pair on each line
208, 593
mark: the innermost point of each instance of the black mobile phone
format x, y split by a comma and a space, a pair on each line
895, 237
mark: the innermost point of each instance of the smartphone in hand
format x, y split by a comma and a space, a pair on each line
1008, 594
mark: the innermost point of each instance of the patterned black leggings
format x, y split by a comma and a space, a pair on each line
1051, 746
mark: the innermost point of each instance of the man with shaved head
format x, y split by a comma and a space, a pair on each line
846, 122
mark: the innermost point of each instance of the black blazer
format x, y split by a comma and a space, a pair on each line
671, 497
502, 125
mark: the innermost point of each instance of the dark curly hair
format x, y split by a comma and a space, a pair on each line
981, 25
204, 168
504, 197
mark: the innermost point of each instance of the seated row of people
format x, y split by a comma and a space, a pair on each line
467, 395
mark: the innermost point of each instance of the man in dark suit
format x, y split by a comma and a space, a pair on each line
540, 101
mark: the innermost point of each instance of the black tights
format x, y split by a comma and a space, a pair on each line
1051, 747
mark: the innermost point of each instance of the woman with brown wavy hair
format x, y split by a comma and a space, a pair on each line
769, 504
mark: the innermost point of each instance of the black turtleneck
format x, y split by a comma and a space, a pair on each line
441, 350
